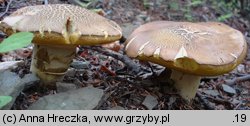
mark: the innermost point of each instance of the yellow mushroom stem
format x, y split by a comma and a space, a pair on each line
186, 84
50, 63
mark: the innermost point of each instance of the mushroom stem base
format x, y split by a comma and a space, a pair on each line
50, 63
186, 84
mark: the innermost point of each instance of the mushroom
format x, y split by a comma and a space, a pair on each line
190, 50
58, 29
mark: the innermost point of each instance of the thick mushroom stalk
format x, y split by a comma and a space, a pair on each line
186, 84
51, 62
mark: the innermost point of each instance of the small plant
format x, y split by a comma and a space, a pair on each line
196, 3
83, 4
224, 17
188, 9
174, 5
87, 4
4, 100
225, 9
147, 4
16, 41
187, 13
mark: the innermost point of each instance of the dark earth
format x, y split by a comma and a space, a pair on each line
127, 89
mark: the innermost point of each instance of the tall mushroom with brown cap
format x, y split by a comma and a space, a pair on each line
191, 50
58, 29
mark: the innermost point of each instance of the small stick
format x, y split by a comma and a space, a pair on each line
237, 107
125, 59
216, 99
238, 79
7, 8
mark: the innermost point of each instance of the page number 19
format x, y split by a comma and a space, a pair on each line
240, 118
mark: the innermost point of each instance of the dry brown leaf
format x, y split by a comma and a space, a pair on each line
115, 46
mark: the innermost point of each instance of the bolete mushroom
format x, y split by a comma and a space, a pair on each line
190, 50
58, 29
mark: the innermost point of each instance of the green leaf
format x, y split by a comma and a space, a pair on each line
174, 5
82, 4
4, 100
96, 10
195, 3
225, 17
147, 4
16, 41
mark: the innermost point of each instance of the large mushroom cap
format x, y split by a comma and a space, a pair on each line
196, 48
62, 24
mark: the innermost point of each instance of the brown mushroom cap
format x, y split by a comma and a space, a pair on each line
62, 24
207, 48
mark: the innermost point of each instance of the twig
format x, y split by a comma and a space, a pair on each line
237, 107
7, 8
216, 99
238, 79
125, 59
151, 68
206, 102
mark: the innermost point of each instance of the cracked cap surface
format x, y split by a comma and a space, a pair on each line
62, 24
206, 48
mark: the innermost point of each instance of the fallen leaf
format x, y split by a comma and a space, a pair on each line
105, 69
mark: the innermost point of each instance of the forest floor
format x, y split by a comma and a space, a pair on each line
128, 90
